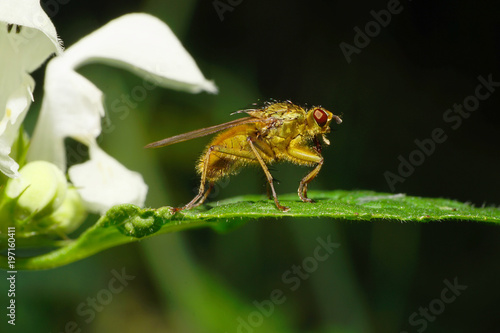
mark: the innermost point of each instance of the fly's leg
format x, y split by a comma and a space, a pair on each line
302, 191
257, 149
202, 194
306, 156
197, 200
268, 175
268, 191
205, 196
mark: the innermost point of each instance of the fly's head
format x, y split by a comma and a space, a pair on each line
318, 122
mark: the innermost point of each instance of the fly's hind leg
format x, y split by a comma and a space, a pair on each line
268, 191
202, 194
197, 200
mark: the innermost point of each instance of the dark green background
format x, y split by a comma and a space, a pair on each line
394, 91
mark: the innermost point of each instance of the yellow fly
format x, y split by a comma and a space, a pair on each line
274, 133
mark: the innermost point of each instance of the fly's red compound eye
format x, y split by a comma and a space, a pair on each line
320, 116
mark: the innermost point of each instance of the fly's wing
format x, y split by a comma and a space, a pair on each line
202, 132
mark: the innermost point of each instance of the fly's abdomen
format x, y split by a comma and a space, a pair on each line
220, 166
226, 155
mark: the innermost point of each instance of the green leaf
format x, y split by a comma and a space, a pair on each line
127, 223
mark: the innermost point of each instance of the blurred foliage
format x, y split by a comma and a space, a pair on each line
395, 91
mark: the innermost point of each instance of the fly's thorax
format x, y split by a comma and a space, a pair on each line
286, 128
285, 111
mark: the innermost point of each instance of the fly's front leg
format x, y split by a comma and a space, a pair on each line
302, 191
306, 157
268, 175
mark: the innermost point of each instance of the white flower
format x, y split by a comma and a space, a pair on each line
27, 38
73, 107
115, 183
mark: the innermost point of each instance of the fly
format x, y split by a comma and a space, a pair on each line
279, 131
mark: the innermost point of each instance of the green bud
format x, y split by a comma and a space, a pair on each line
68, 216
38, 192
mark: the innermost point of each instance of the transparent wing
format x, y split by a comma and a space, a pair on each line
202, 132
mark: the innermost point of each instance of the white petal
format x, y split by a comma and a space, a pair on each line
102, 182
16, 108
78, 103
27, 38
145, 45
37, 39
72, 107
7, 165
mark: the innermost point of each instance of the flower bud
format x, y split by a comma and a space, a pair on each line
38, 192
68, 216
